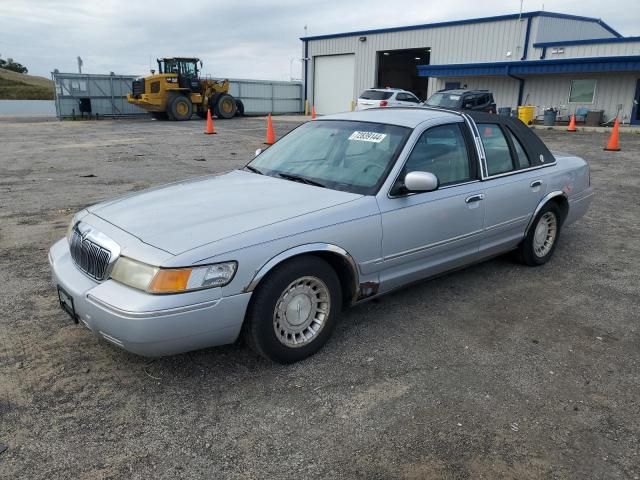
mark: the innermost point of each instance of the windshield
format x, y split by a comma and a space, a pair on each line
447, 100
375, 95
342, 155
181, 67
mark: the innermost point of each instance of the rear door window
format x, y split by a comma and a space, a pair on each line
496, 149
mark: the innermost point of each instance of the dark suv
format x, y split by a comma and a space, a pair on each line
461, 99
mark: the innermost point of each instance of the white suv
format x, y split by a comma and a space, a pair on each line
386, 97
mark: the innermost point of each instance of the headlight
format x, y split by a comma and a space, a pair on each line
172, 280
135, 274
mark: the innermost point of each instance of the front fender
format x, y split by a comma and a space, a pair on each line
300, 250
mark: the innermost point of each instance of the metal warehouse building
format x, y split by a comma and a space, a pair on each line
541, 58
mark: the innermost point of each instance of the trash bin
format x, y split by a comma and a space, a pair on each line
526, 114
550, 117
504, 111
594, 118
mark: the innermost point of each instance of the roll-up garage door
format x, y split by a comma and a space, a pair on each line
333, 82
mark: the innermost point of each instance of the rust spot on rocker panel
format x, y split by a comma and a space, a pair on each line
368, 289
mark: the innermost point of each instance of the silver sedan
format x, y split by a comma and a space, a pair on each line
339, 211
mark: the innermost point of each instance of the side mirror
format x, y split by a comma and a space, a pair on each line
201, 64
258, 152
421, 182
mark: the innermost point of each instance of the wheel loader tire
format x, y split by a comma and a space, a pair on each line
239, 108
213, 101
180, 108
225, 106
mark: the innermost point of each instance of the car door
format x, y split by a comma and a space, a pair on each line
396, 100
407, 99
512, 189
430, 232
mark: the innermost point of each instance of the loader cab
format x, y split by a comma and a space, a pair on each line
185, 68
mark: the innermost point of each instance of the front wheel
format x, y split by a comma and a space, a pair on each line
294, 310
225, 106
542, 238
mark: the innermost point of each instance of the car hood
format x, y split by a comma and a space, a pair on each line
186, 215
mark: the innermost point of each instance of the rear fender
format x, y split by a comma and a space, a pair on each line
557, 194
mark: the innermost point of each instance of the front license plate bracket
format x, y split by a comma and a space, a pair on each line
66, 303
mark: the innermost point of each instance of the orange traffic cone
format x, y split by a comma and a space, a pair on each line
271, 134
313, 112
614, 140
572, 124
210, 130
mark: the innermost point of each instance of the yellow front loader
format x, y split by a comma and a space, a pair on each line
176, 92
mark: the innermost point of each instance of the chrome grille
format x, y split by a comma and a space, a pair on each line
90, 257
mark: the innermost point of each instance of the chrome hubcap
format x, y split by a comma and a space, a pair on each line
545, 234
301, 311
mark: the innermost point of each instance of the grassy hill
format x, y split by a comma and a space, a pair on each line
17, 86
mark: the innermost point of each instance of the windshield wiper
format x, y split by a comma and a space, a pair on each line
298, 178
254, 170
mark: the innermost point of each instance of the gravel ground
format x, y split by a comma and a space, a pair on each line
497, 371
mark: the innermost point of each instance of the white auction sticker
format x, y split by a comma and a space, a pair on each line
368, 136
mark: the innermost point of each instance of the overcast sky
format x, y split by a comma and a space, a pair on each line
235, 39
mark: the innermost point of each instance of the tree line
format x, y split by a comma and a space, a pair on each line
9, 64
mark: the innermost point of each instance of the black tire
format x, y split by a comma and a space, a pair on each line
213, 101
260, 323
529, 252
180, 108
160, 115
239, 108
225, 106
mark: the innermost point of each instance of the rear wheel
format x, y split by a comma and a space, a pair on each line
225, 107
294, 310
180, 108
239, 107
542, 238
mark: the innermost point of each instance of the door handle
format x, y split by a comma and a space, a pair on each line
535, 183
474, 198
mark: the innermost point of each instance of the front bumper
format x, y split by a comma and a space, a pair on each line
144, 324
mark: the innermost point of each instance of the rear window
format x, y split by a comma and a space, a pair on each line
446, 100
375, 95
